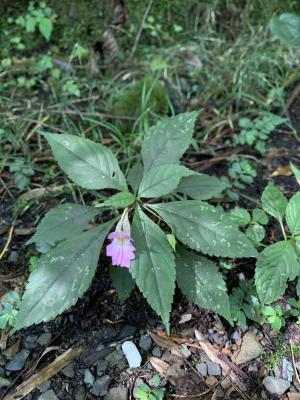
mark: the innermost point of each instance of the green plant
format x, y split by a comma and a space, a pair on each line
241, 174
274, 316
147, 198
255, 133
145, 392
287, 28
252, 223
9, 309
22, 171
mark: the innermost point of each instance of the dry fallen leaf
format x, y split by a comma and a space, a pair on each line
282, 171
165, 342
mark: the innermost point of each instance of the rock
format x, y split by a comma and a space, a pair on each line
101, 385
68, 371
132, 354
4, 382
213, 369
49, 395
89, 378
43, 387
185, 351
2, 372
276, 385
117, 393
211, 380
253, 368
145, 342
114, 358
236, 335
30, 342
127, 331
185, 318
166, 356
79, 392
202, 369
226, 383
287, 370
44, 339
250, 349
156, 351
18, 362
13, 257
101, 367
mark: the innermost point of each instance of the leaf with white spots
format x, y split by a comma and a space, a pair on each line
154, 268
276, 265
201, 186
205, 228
62, 276
91, 165
200, 280
292, 214
166, 141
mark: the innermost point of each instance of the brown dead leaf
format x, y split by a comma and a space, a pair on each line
39, 192
12, 350
173, 373
282, 171
165, 342
294, 396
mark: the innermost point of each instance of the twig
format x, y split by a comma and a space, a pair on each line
10, 232
294, 362
37, 126
137, 38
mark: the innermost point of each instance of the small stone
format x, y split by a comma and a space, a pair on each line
68, 371
166, 356
79, 393
145, 342
101, 385
127, 331
89, 378
132, 354
211, 380
276, 385
185, 351
2, 372
30, 342
44, 339
250, 349
287, 370
185, 318
213, 369
18, 362
101, 367
202, 369
253, 368
156, 351
13, 257
4, 382
114, 358
236, 335
49, 395
43, 387
117, 393
226, 383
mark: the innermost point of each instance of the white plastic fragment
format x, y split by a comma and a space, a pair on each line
132, 354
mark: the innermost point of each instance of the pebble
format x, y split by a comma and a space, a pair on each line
13, 257
4, 382
43, 387
202, 369
89, 378
213, 369
287, 370
276, 385
49, 395
30, 342
211, 380
44, 339
185, 351
250, 349
226, 383
2, 372
132, 354
101, 385
18, 362
117, 393
79, 393
166, 356
68, 371
114, 358
156, 351
101, 367
145, 342
127, 331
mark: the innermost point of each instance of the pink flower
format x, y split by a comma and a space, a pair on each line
121, 250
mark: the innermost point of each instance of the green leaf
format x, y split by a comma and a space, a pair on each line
121, 281
298, 287
162, 180
287, 28
120, 200
45, 27
260, 216
205, 228
165, 142
255, 232
63, 275
200, 280
89, 164
172, 240
63, 221
240, 216
274, 202
296, 172
292, 214
135, 176
30, 23
201, 186
154, 267
275, 266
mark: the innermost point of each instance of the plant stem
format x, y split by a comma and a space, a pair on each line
282, 229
